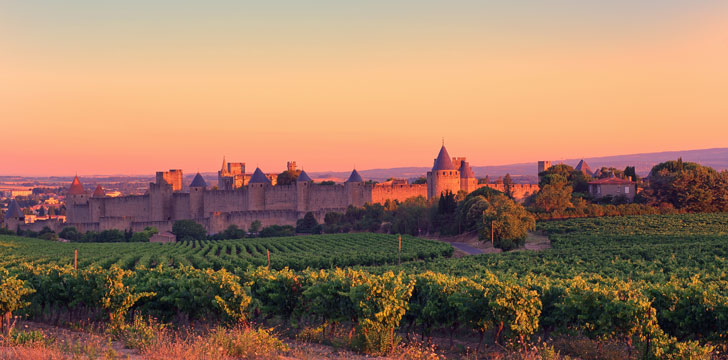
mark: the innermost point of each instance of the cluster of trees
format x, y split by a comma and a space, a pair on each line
46, 233
488, 212
190, 230
70, 233
672, 186
688, 187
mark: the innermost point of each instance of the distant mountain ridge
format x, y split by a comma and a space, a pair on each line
716, 158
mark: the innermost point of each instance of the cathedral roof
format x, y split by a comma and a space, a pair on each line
76, 188
259, 178
443, 161
584, 168
466, 171
355, 177
303, 176
198, 181
14, 210
99, 192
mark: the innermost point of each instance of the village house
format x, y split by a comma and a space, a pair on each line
612, 186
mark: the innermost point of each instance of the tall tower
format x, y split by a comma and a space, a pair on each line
354, 186
256, 190
468, 181
14, 216
77, 210
172, 177
197, 197
303, 185
543, 165
443, 177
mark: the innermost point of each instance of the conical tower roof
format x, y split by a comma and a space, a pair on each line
76, 188
198, 181
258, 177
584, 168
303, 177
355, 177
99, 192
466, 171
223, 169
14, 210
443, 161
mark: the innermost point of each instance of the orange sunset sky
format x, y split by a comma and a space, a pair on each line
93, 87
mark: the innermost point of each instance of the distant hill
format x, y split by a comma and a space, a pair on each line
522, 173
528, 172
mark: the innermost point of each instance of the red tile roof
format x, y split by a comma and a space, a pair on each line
76, 187
99, 192
611, 181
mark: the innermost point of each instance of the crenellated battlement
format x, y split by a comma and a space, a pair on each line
235, 203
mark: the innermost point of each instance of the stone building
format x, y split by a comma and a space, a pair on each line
236, 201
612, 186
14, 217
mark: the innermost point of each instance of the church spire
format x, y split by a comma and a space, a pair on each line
223, 169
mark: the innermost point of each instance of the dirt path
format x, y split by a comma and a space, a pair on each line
467, 249
537, 241
469, 244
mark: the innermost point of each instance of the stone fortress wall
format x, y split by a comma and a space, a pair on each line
234, 202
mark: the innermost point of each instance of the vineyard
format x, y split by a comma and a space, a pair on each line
300, 252
650, 248
656, 284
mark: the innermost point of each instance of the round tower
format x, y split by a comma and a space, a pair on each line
197, 197
354, 186
303, 185
443, 177
76, 202
256, 190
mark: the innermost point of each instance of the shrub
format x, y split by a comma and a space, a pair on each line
189, 229
277, 231
12, 294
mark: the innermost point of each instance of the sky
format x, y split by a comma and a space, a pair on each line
132, 87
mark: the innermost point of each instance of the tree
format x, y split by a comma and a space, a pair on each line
412, 217
47, 234
577, 180
70, 233
277, 231
332, 222
111, 235
255, 227
445, 219
144, 235
508, 185
687, 186
308, 225
606, 172
508, 221
420, 180
232, 232
554, 198
288, 177
327, 182
630, 171
186, 230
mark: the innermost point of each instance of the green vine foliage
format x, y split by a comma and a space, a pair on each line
13, 292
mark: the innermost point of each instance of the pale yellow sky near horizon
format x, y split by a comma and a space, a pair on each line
109, 91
